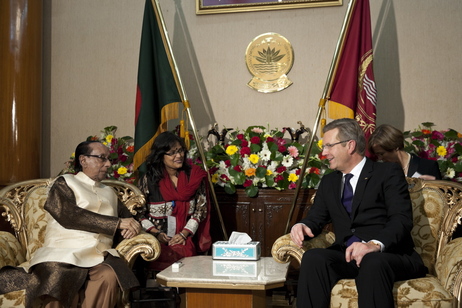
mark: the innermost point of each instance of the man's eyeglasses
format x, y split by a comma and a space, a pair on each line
179, 151
329, 146
101, 157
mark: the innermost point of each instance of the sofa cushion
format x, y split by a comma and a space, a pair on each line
35, 219
11, 252
422, 292
429, 208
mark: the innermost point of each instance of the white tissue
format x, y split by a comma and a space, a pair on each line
239, 238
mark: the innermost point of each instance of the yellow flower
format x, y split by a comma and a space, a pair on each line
214, 178
109, 138
231, 149
122, 170
269, 172
320, 143
441, 150
293, 177
254, 158
250, 172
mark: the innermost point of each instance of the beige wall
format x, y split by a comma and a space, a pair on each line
91, 57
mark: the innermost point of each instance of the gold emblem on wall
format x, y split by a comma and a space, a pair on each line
269, 57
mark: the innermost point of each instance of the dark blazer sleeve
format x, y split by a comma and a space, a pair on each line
424, 167
62, 206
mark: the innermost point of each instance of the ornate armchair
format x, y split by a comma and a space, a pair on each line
437, 211
23, 207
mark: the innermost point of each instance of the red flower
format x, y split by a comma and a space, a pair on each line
245, 151
240, 136
314, 170
130, 149
255, 140
436, 135
247, 183
227, 163
238, 168
224, 178
270, 139
281, 169
282, 148
244, 143
426, 132
278, 178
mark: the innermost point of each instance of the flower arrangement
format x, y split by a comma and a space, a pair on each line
443, 146
260, 157
121, 155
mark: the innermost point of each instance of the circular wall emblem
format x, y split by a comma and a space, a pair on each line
269, 57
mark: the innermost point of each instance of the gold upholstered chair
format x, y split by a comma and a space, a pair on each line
437, 211
22, 204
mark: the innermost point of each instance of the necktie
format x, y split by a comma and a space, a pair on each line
347, 197
347, 200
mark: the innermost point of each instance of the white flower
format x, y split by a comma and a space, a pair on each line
450, 173
265, 154
246, 163
287, 161
272, 167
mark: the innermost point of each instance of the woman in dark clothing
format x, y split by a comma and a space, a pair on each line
387, 143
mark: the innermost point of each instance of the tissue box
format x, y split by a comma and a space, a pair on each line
226, 251
235, 268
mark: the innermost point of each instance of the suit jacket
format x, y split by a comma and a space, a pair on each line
423, 166
381, 208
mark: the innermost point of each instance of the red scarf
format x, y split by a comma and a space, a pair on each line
184, 192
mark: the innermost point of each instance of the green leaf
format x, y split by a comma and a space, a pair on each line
234, 159
261, 172
255, 148
458, 167
230, 189
251, 191
269, 180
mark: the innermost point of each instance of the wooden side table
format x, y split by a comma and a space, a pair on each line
204, 282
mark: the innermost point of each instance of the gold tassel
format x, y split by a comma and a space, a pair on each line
182, 129
323, 120
187, 141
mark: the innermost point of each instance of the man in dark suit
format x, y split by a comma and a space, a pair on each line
369, 206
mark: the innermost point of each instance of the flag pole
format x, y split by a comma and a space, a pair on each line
322, 103
185, 101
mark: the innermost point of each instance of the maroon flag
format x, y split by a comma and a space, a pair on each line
353, 93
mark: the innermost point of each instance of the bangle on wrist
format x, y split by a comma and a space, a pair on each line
183, 236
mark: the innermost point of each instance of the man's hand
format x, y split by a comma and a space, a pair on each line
298, 232
130, 227
358, 250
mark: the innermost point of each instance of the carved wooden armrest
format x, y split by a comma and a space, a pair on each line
284, 249
10, 250
144, 244
448, 267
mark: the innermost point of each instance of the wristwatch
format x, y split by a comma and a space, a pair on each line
376, 243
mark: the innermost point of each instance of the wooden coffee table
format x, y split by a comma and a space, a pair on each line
204, 282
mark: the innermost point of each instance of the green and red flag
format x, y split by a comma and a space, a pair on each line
157, 96
353, 92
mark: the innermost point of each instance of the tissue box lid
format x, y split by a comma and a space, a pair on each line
227, 251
